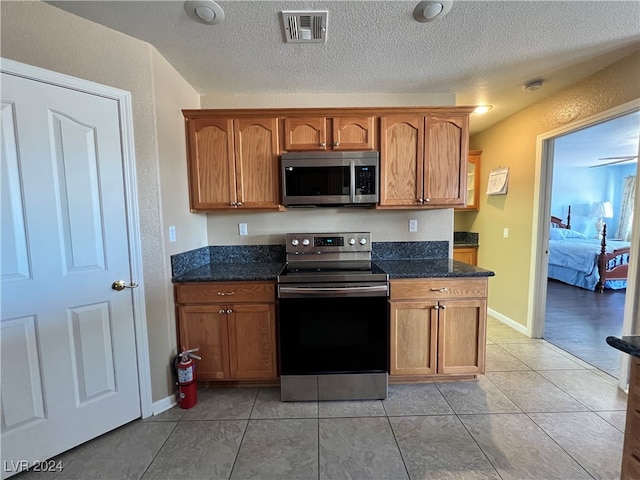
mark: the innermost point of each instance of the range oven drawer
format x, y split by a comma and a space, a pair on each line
227, 292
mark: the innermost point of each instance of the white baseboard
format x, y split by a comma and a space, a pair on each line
506, 320
165, 404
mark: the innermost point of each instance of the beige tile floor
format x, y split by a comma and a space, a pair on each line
538, 413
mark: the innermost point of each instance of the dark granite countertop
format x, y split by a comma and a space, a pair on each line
430, 268
628, 344
231, 272
265, 262
465, 239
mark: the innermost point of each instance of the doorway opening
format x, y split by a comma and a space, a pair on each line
587, 174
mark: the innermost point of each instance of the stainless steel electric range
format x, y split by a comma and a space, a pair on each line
333, 323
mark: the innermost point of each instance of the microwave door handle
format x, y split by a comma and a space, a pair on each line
352, 181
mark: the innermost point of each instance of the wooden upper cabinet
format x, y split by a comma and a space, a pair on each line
256, 148
305, 133
401, 160
423, 160
353, 133
211, 163
445, 172
233, 163
473, 181
323, 133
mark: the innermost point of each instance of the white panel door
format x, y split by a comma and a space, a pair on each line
69, 369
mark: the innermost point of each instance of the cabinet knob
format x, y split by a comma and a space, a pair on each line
436, 307
420, 201
222, 311
229, 311
426, 200
233, 204
238, 204
336, 144
323, 144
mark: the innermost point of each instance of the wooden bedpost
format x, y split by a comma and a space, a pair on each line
569, 218
602, 261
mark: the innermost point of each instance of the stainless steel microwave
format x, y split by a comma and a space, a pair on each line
330, 178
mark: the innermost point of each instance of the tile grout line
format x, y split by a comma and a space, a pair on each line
246, 427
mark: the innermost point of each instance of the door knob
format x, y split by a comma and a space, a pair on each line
121, 285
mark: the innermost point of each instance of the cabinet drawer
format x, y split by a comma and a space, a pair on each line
438, 288
232, 292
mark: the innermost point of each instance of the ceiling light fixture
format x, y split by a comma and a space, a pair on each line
430, 10
480, 109
533, 85
204, 11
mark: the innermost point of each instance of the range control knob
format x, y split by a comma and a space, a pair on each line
295, 242
352, 241
363, 241
305, 242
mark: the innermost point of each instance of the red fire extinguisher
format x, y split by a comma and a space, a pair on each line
185, 369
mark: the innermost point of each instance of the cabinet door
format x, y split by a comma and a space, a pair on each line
256, 147
461, 336
414, 329
211, 164
466, 254
205, 327
305, 133
401, 160
445, 170
252, 341
353, 133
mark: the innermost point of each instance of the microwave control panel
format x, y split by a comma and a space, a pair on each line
365, 180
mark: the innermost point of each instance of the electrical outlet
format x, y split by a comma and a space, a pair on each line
505, 233
172, 233
413, 226
242, 228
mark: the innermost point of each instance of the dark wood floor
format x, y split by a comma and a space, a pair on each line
579, 321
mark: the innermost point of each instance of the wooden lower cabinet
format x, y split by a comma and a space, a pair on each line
237, 341
466, 254
438, 327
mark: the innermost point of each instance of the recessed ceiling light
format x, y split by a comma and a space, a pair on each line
480, 109
430, 10
204, 11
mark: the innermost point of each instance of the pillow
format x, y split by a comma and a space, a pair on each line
563, 234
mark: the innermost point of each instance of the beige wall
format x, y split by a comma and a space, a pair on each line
38, 34
269, 228
512, 143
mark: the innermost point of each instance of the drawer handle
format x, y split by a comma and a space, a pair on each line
443, 289
224, 294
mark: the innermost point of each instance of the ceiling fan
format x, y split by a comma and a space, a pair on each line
616, 160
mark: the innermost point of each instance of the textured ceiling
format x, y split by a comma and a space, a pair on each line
483, 51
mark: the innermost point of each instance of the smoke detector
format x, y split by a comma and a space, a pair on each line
533, 85
428, 10
305, 27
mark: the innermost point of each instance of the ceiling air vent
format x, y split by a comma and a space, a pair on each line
305, 27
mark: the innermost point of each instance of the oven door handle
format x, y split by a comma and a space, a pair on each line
373, 290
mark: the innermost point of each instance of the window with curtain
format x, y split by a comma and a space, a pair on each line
626, 212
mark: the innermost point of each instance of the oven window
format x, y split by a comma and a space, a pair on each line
315, 181
333, 335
